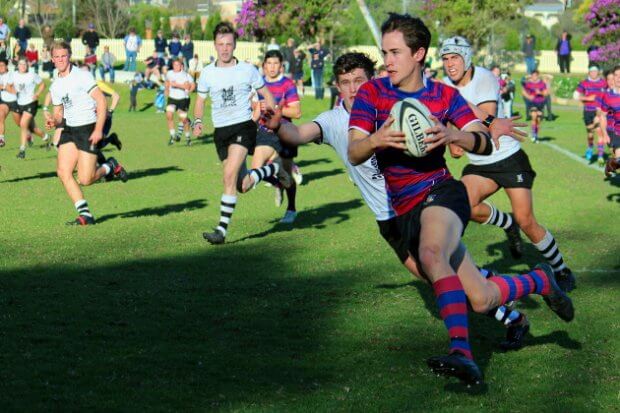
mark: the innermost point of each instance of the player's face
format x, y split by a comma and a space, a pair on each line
60, 57
349, 83
593, 74
3, 67
611, 83
225, 46
534, 77
272, 67
454, 66
22, 66
617, 79
403, 65
176, 66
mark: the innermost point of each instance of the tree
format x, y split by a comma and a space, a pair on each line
214, 19
110, 17
194, 28
604, 22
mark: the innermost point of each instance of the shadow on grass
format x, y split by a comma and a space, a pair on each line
157, 211
41, 175
146, 173
308, 162
311, 218
546, 139
315, 176
205, 139
146, 107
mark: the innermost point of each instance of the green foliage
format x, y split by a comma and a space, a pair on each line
214, 19
64, 29
194, 28
564, 86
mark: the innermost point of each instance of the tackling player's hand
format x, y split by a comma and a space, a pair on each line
509, 127
271, 118
386, 137
49, 120
197, 127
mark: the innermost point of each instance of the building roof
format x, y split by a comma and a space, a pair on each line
549, 6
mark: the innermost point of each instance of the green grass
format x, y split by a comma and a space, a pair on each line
139, 313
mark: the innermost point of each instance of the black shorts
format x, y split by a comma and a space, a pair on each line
537, 107
589, 117
288, 151
80, 136
512, 172
179, 104
390, 233
31, 108
107, 126
12, 106
266, 138
243, 134
298, 76
404, 234
614, 139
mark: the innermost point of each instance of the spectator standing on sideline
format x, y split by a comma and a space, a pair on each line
90, 38
507, 93
22, 34
47, 33
287, 54
32, 56
107, 64
174, 47
46, 61
194, 67
529, 51
160, 44
273, 45
90, 60
318, 53
563, 49
5, 31
132, 43
187, 49
297, 69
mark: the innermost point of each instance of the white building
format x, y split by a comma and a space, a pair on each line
548, 12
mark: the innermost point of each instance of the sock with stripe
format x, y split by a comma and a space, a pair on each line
82, 208
535, 130
452, 305
502, 313
601, 150
549, 249
261, 173
516, 287
180, 129
498, 218
227, 207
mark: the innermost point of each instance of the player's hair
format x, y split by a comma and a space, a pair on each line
273, 53
535, 71
414, 30
615, 69
61, 45
5, 61
225, 28
351, 61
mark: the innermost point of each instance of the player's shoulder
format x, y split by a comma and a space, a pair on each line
482, 74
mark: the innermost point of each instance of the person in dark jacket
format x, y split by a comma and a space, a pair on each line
174, 47
160, 44
187, 49
563, 49
22, 34
90, 38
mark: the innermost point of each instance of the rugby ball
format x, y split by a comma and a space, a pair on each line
412, 118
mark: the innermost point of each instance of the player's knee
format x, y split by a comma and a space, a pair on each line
86, 179
526, 221
430, 257
479, 303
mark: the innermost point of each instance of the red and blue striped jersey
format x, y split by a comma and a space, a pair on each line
610, 103
536, 89
284, 92
589, 87
409, 179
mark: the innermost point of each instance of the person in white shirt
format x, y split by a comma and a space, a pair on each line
8, 99
28, 86
179, 84
194, 67
80, 109
230, 83
507, 167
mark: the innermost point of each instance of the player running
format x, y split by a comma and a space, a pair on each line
179, 84
535, 90
590, 92
610, 107
431, 207
28, 87
230, 83
8, 99
507, 167
285, 95
78, 100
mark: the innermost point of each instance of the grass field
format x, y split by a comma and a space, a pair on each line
139, 313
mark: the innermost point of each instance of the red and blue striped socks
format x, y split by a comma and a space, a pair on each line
516, 287
452, 305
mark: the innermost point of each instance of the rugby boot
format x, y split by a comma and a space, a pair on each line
215, 237
456, 365
515, 334
118, 170
557, 300
82, 220
611, 166
566, 280
515, 243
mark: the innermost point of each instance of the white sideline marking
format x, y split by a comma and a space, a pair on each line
599, 270
574, 157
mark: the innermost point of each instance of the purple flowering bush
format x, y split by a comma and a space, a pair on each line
604, 21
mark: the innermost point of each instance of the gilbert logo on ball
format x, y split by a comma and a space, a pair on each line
412, 118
